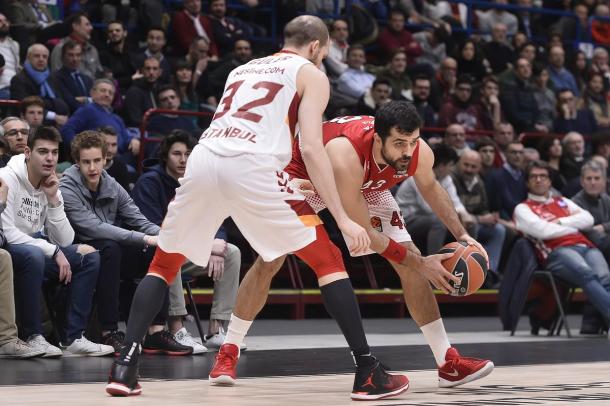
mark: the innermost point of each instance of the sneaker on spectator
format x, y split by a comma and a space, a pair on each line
185, 338
82, 347
38, 342
214, 342
114, 339
163, 342
19, 349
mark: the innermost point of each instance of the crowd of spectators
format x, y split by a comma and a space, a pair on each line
85, 82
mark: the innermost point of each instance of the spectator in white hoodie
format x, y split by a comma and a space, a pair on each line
40, 243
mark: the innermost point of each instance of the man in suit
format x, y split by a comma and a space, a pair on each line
35, 79
74, 85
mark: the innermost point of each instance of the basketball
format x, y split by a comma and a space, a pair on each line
467, 263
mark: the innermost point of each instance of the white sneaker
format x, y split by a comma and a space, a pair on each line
185, 338
81, 347
19, 349
38, 342
214, 342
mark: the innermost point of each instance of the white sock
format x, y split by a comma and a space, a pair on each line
237, 330
437, 340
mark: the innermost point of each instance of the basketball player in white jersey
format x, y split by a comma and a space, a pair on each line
237, 171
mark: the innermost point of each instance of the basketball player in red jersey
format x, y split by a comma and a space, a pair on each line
236, 170
369, 156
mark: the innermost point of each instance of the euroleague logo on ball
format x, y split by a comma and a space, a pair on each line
458, 289
468, 264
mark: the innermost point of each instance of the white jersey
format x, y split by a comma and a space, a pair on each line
259, 109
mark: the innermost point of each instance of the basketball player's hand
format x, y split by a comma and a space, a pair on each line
471, 241
435, 272
216, 267
304, 186
65, 273
359, 237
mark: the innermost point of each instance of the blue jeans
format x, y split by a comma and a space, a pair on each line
584, 267
31, 268
492, 238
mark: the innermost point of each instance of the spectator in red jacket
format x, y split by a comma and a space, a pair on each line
394, 38
189, 24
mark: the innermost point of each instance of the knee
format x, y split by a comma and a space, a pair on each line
85, 249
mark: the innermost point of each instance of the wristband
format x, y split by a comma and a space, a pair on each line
56, 252
394, 252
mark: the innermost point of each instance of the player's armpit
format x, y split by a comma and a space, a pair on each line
349, 175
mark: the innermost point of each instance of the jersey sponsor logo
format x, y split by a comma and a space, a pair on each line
376, 223
229, 132
260, 71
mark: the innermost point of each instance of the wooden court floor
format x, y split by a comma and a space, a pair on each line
556, 384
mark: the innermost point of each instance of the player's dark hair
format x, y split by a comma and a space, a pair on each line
174, 137
443, 155
44, 132
400, 114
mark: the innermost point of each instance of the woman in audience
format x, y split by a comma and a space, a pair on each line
545, 97
182, 81
470, 61
579, 67
550, 149
594, 98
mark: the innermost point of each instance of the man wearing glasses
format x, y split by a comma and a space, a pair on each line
15, 132
555, 224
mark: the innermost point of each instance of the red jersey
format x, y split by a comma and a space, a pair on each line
359, 130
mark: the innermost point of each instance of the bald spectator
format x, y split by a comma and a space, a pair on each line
559, 75
443, 84
81, 33
491, 17
471, 190
570, 117
336, 61
396, 38
355, 81
530, 155
600, 29
32, 111
9, 50
497, 51
35, 80
455, 137
189, 24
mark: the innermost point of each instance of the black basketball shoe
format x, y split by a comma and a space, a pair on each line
373, 382
123, 378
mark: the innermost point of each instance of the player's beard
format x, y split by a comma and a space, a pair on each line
4, 31
400, 164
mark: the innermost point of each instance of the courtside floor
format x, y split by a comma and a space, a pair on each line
305, 363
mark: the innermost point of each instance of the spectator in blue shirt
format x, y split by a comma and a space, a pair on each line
560, 76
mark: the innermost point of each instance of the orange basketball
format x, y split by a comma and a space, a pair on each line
468, 264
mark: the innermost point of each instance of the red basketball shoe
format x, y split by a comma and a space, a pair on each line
223, 372
459, 370
373, 382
